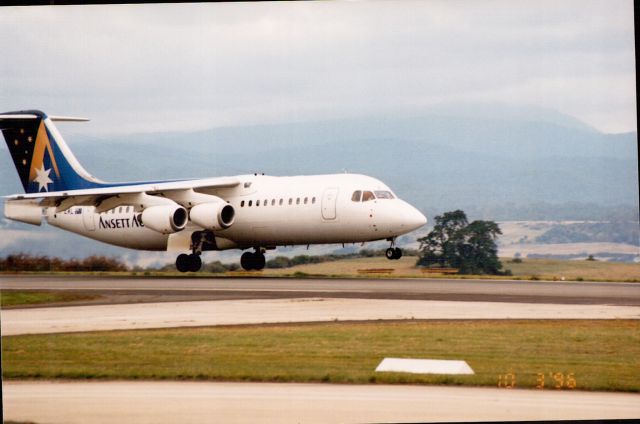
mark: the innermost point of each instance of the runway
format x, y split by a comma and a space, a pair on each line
135, 303
140, 289
264, 311
200, 402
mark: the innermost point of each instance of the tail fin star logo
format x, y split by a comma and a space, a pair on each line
43, 154
42, 178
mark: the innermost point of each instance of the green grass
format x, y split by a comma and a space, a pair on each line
19, 298
601, 355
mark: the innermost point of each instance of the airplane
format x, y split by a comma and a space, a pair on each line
195, 215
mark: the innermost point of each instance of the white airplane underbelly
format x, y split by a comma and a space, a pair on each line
117, 229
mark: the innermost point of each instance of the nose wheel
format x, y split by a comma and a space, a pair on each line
188, 263
393, 253
252, 261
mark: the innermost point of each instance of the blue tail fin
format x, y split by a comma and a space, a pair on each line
42, 158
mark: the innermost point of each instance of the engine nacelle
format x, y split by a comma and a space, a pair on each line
165, 219
28, 211
214, 216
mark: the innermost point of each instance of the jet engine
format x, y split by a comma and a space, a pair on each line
214, 216
165, 219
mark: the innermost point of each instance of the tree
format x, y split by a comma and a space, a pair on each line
453, 242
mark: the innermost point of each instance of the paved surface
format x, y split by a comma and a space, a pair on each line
192, 314
122, 290
202, 402
191, 302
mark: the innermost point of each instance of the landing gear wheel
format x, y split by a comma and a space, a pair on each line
246, 261
252, 261
390, 253
259, 261
195, 263
186, 263
393, 253
183, 262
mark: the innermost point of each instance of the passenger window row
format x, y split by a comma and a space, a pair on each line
279, 202
120, 209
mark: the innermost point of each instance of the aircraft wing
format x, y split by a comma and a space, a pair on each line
95, 196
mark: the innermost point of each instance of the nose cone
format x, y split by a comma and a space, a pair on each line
413, 218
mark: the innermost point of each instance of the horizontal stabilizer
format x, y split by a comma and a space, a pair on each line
68, 119
53, 118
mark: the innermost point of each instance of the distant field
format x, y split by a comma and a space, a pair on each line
543, 269
587, 354
574, 270
529, 268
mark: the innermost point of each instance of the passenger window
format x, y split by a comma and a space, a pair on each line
313, 200
266, 202
298, 201
273, 202
281, 201
290, 201
257, 203
250, 202
356, 196
306, 200
242, 204
120, 209
367, 195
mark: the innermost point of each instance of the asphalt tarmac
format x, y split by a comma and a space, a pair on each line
143, 402
140, 289
271, 311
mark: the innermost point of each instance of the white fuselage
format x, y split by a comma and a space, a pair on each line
269, 211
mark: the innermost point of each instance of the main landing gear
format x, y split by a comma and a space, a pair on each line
393, 252
186, 263
253, 261
192, 262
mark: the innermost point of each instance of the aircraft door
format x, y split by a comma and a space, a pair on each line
329, 203
88, 219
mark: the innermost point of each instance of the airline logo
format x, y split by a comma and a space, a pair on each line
43, 161
34, 155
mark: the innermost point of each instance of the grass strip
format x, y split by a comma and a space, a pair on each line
33, 297
597, 354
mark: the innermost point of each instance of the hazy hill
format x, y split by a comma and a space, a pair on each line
435, 161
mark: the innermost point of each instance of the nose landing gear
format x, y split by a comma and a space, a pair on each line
393, 252
253, 260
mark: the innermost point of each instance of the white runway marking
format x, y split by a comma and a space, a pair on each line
203, 313
424, 366
200, 402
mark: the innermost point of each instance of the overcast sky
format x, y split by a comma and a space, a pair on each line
193, 66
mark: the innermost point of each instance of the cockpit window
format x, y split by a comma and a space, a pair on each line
367, 195
356, 196
383, 194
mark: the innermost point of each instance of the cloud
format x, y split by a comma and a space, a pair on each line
141, 68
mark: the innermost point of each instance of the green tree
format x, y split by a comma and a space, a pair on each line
453, 242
